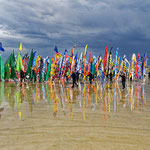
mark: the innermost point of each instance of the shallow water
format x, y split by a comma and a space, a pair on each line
55, 116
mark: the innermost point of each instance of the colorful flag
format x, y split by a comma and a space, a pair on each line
85, 62
116, 62
136, 71
70, 61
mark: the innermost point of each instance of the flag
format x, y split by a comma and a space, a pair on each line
19, 63
33, 62
144, 64
93, 64
55, 63
70, 61
116, 61
89, 65
105, 60
7, 67
133, 59
1, 68
110, 61
136, 71
55, 49
79, 63
20, 48
12, 65
75, 59
1, 47
48, 71
62, 64
29, 70
85, 62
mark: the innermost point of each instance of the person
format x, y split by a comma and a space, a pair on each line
90, 77
67, 76
131, 78
111, 76
22, 75
77, 75
123, 80
149, 74
74, 79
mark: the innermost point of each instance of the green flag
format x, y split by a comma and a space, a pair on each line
1, 68
29, 70
19, 63
7, 71
48, 70
12, 64
7, 68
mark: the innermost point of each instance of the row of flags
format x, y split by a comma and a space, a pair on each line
62, 65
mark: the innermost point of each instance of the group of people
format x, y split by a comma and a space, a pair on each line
75, 78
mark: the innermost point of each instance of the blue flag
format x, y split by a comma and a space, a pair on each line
1, 48
76, 57
34, 60
65, 51
55, 49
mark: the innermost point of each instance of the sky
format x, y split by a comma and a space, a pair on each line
44, 24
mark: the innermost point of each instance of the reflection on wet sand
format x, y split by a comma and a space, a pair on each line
60, 96
52, 115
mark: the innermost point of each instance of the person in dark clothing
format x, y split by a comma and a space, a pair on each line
123, 80
90, 77
131, 78
149, 74
106, 75
77, 76
111, 76
74, 79
22, 75
67, 76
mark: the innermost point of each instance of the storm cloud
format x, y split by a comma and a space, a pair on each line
42, 24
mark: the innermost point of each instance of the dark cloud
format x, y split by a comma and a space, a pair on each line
42, 24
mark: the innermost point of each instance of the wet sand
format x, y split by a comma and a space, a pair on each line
81, 121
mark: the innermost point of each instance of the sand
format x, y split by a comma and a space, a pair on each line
80, 123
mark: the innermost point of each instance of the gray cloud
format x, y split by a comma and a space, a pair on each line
42, 24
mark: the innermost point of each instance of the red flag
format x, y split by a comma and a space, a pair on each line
89, 65
105, 59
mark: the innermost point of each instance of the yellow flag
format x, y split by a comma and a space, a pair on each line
85, 50
20, 48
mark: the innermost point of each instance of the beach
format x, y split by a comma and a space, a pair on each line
55, 116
